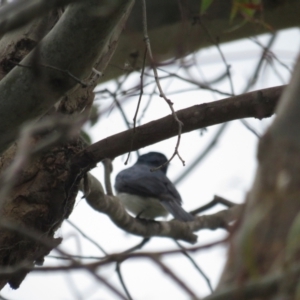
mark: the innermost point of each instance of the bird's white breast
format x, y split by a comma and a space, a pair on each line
144, 207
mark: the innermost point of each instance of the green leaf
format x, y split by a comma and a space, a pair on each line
205, 4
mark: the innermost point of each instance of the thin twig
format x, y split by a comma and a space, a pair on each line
172, 275
119, 106
265, 56
141, 90
202, 155
146, 106
87, 237
138, 246
250, 128
277, 72
193, 82
110, 286
118, 265
83, 84
195, 265
139, 102
73, 287
215, 201
118, 270
265, 53
113, 258
217, 44
50, 244
69, 257
271, 54
162, 94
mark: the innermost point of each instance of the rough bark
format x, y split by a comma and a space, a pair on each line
41, 87
15, 45
40, 201
45, 190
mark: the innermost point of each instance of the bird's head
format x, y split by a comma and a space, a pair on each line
153, 159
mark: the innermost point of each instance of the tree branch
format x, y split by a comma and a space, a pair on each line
25, 96
258, 104
175, 229
17, 14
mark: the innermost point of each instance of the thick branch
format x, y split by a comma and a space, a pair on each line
257, 104
16, 14
175, 229
73, 45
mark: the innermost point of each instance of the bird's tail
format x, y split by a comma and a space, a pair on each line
177, 211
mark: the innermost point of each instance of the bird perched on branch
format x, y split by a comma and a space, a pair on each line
150, 194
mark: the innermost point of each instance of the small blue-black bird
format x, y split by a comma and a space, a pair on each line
150, 194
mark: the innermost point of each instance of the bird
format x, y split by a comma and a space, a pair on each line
150, 194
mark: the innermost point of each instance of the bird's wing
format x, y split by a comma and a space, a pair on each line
139, 180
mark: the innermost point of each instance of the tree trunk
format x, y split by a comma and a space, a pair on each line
266, 239
44, 187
